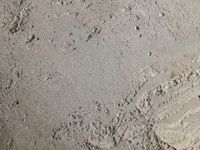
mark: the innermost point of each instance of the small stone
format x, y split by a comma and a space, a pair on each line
150, 53
137, 28
89, 37
161, 14
31, 39
173, 83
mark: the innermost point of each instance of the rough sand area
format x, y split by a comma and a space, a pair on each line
99, 75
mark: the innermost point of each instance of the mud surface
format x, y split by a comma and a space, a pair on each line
99, 74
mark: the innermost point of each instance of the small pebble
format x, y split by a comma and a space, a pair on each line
150, 53
137, 28
31, 39
161, 14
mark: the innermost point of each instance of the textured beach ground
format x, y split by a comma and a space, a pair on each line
99, 74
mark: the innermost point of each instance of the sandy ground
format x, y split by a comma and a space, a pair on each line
99, 75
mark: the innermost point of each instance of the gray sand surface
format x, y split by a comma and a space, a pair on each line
99, 75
